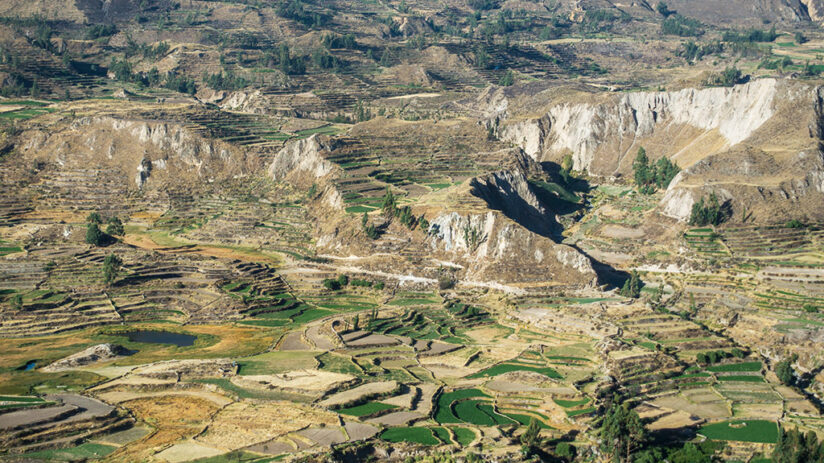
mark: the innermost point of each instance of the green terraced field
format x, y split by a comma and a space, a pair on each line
366, 409
415, 435
760, 431
444, 414
508, 367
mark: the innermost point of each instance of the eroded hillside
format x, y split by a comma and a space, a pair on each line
407, 231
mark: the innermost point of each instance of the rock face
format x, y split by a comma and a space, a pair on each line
756, 145
509, 192
301, 156
601, 135
94, 354
497, 248
143, 151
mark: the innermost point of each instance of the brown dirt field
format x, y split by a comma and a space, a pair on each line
243, 424
359, 431
350, 395
146, 242
173, 417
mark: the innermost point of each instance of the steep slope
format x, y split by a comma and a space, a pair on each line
758, 142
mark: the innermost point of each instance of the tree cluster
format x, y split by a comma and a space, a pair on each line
225, 81
784, 370
682, 26
727, 78
649, 176
111, 268
709, 212
95, 236
753, 35
715, 356
336, 284
632, 286
795, 447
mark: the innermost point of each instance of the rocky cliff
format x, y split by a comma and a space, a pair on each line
755, 144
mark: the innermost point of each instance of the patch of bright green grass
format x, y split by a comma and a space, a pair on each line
745, 366
525, 419
508, 367
415, 435
571, 403
366, 409
444, 412
464, 436
442, 434
469, 411
497, 417
573, 413
759, 431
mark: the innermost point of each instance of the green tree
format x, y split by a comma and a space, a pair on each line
632, 286
94, 217
640, 167
94, 236
784, 370
707, 212
111, 268
17, 302
622, 433
389, 204
115, 227
507, 79
530, 437
663, 9
567, 163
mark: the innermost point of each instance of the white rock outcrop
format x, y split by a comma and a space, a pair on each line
301, 156
581, 128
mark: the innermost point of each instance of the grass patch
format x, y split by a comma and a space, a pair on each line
759, 431
442, 434
584, 411
571, 403
242, 393
469, 411
366, 409
464, 436
414, 435
444, 413
731, 367
508, 367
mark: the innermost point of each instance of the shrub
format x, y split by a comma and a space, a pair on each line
664, 10
343, 280
632, 286
682, 26
507, 79
728, 78
785, 372
111, 268
794, 224
94, 217
331, 284
708, 212
115, 227
227, 81
100, 30
378, 285
94, 236
753, 35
